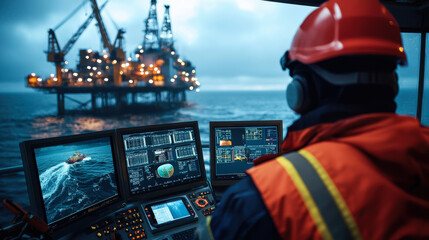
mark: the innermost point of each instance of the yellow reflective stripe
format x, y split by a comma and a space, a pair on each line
306, 196
333, 190
209, 219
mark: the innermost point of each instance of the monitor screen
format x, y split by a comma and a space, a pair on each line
234, 146
161, 157
75, 177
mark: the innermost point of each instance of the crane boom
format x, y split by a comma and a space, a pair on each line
79, 32
102, 28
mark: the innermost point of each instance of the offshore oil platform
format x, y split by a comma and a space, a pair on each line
154, 79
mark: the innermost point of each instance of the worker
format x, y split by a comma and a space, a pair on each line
349, 167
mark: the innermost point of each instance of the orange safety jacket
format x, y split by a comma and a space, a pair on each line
365, 177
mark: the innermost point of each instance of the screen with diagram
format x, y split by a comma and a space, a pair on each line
236, 148
161, 159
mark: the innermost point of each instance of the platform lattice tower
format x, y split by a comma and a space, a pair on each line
166, 32
151, 35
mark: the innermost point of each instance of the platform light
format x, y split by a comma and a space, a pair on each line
146, 72
129, 59
158, 71
75, 74
107, 67
198, 90
150, 81
141, 70
91, 74
127, 64
87, 57
88, 67
193, 70
187, 74
137, 55
183, 64
123, 65
99, 73
66, 62
175, 76
121, 72
187, 79
39, 79
106, 79
55, 79
172, 80
142, 65
79, 79
172, 53
94, 68
151, 66
114, 61
183, 73
198, 83
155, 69
89, 50
99, 60
66, 70
52, 75
140, 46
33, 74
191, 88
179, 60
130, 81
141, 50
89, 79
105, 56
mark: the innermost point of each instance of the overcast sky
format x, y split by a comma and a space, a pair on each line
234, 44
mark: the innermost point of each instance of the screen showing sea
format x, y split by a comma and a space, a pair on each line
75, 176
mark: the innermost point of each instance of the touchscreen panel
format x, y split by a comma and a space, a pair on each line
170, 211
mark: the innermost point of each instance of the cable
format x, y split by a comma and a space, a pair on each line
70, 15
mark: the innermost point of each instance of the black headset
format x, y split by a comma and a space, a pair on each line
300, 93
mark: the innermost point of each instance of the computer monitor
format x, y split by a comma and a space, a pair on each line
72, 176
161, 159
235, 144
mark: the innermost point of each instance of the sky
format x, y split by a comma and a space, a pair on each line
234, 44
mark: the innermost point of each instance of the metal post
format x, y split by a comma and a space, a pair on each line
421, 76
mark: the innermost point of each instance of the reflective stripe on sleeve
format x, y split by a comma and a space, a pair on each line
325, 204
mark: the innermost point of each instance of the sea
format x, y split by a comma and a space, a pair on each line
33, 115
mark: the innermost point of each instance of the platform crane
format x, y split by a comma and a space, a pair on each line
56, 54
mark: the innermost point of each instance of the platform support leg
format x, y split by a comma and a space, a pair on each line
60, 104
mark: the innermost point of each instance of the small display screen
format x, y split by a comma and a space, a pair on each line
170, 211
237, 147
76, 176
160, 159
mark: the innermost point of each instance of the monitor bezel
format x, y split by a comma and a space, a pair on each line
34, 188
130, 197
215, 182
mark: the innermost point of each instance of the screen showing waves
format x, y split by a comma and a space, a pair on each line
75, 176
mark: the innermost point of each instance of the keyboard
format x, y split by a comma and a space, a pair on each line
184, 235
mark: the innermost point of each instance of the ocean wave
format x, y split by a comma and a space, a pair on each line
52, 178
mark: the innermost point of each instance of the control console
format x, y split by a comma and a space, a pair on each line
170, 218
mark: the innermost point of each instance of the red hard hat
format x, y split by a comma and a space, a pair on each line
347, 27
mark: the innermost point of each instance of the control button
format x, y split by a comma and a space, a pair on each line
201, 202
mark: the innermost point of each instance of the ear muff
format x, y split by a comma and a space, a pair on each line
298, 94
